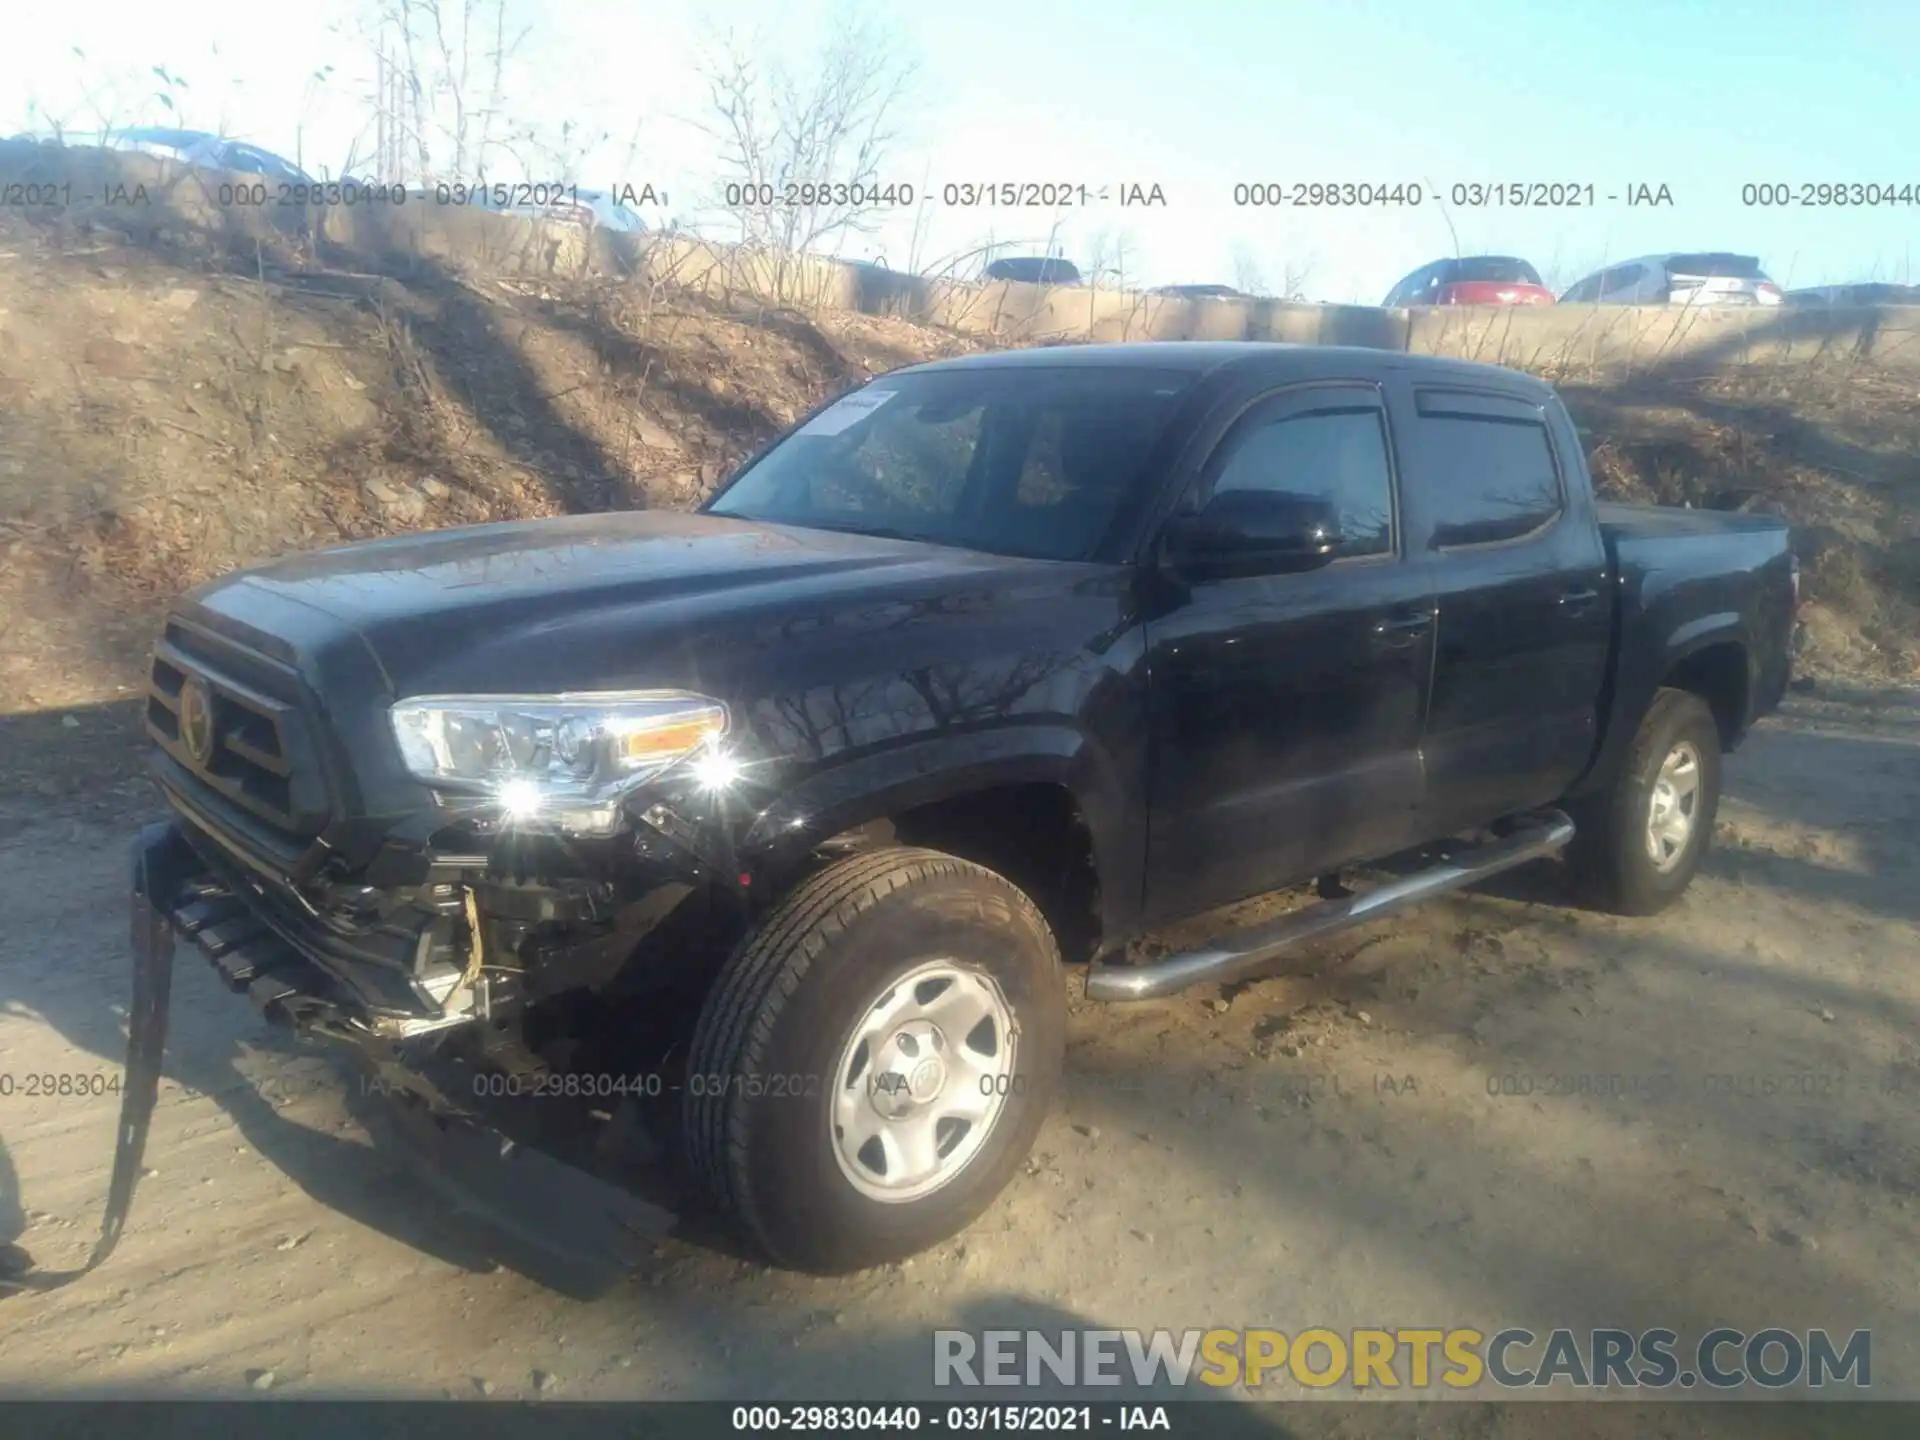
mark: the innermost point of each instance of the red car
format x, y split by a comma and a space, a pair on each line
1472, 280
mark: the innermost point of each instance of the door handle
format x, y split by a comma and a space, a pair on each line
1402, 630
1575, 601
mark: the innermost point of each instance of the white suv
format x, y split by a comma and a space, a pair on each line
1681, 278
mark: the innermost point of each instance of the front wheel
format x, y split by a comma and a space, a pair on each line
1637, 844
874, 1063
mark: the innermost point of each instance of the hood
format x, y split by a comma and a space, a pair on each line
631, 598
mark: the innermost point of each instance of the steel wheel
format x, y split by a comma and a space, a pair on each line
922, 1081
912, 1005
1673, 807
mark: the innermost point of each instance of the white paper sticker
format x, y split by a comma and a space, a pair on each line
848, 410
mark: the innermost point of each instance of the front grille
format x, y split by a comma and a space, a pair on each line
254, 750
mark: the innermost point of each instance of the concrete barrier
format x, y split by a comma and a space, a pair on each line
1563, 338
155, 200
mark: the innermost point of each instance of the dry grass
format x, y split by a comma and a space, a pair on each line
1833, 449
168, 422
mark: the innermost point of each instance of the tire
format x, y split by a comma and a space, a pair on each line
776, 1065
1612, 853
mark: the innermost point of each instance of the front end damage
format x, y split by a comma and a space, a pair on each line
565, 1161
512, 1002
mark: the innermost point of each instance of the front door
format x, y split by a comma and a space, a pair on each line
1286, 710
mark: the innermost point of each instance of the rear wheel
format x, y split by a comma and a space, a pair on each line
873, 1064
1637, 845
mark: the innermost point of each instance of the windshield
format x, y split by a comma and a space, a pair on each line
1492, 270
1015, 461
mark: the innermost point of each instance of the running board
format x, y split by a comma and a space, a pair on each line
1248, 954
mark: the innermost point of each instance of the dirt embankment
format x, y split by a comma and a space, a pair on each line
1833, 448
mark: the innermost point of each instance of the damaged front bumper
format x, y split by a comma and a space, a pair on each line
473, 1150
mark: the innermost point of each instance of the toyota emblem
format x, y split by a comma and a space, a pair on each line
196, 720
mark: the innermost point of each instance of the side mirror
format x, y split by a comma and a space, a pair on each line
1253, 532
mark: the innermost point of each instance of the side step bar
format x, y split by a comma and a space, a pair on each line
1249, 953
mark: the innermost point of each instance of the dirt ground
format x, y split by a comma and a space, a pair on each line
1317, 1149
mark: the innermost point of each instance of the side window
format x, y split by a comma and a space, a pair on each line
1587, 291
248, 161
1489, 469
1338, 455
1620, 280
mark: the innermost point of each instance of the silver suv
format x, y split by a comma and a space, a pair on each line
1693, 277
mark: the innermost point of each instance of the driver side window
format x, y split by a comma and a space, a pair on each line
1334, 454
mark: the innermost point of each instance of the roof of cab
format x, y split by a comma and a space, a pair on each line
1283, 360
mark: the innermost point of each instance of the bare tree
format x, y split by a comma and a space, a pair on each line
556, 155
1294, 275
803, 158
110, 103
1109, 258
1248, 277
439, 84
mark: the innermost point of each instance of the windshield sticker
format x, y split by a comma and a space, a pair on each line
848, 411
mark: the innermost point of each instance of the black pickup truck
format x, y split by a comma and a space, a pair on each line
760, 842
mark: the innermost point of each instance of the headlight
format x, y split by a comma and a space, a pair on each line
555, 761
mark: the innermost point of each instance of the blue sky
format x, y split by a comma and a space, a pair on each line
1702, 96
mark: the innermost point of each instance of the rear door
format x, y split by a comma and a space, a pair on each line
1286, 710
1499, 507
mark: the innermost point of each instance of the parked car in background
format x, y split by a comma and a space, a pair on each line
1034, 270
1867, 293
610, 214
201, 148
1472, 280
595, 209
1692, 277
562, 204
1201, 292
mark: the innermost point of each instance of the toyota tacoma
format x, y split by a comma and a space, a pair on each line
754, 847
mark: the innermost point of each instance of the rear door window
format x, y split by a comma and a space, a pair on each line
1489, 468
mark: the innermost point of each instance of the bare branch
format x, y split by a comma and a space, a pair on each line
440, 70
822, 141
